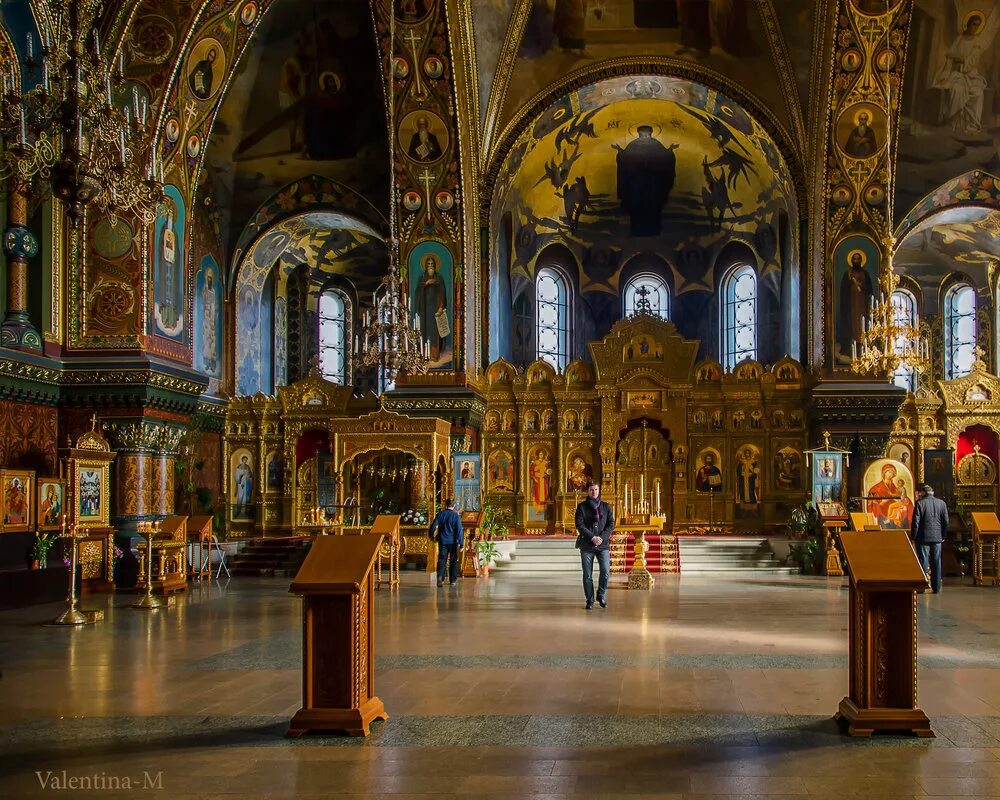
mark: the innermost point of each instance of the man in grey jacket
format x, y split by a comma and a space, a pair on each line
930, 521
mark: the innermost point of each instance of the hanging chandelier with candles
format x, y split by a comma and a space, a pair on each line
890, 340
78, 129
387, 342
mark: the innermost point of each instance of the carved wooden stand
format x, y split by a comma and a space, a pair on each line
337, 584
885, 577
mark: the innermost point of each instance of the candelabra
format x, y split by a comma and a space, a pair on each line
889, 339
78, 129
387, 342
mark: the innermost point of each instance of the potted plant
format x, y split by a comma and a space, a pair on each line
487, 553
493, 524
805, 527
44, 540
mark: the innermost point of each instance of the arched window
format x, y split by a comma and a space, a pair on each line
647, 288
904, 307
334, 335
739, 316
552, 317
959, 331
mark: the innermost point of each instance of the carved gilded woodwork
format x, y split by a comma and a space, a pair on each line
354, 426
543, 429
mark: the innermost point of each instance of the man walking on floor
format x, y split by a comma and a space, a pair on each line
447, 531
595, 525
930, 521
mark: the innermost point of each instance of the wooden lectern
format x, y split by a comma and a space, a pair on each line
337, 585
387, 526
885, 577
985, 538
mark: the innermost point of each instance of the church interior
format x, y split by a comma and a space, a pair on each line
284, 280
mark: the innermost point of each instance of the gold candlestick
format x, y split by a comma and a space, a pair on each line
149, 600
72, 615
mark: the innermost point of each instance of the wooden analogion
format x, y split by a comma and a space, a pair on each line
337, 585
885, 577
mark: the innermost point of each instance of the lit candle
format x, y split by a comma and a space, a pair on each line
23, 128
29, 48
121, 63
45, 75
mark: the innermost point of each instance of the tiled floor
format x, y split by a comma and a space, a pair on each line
705, 687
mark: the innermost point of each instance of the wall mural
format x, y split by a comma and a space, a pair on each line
169, 278
285, 114
856, 269
208, 319
562, 35
951, 96
431, 280
870, 36
962, 239
643, 165
489, 21
333, 246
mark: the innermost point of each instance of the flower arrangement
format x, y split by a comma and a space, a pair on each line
414, 517
44, 540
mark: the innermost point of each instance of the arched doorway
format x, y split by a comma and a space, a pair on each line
645, 472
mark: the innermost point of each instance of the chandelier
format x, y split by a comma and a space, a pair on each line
78, 129
387, 342
890, 341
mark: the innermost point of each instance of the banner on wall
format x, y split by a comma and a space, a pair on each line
468, 481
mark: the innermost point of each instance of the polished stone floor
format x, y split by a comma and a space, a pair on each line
705, 687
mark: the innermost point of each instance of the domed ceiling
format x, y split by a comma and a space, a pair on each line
645, 164
764, 47
963, 240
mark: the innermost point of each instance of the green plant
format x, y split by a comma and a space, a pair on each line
487, 552
44, 540
495, 521
806, 553
806, 527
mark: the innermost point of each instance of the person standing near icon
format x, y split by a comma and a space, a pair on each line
930, 521
595, 525
446, 530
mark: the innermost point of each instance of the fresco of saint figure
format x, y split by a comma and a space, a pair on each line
854, 299
202, 75
861, 142
430, 300
963, 85
646, 171
424, 144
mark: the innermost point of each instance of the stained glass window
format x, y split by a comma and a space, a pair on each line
552, 317
334, 335
739, 316
904, 306
959, 331
647, 288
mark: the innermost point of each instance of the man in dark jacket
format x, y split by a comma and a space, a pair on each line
930, 521
446, 530
595, 525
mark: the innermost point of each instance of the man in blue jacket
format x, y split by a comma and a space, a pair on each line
930, 521
446, 530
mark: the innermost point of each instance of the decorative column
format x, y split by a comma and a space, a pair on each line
144, 477
19, 246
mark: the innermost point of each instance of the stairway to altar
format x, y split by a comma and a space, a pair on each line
264, 557
742, 554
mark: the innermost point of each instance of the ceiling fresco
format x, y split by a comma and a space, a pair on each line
950, 121
645, 164
332, 243
490, 19
727, 37
306, 100
965, 239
